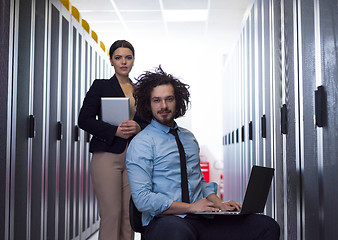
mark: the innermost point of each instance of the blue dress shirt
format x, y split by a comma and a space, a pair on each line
153, 165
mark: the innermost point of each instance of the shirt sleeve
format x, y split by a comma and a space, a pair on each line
208, 188
139, 162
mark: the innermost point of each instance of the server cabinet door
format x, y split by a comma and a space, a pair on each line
54, 124
65, 142
327, 136
257, 83
74, 195
308, 147
83, 139
267, 70
38, 206
85, 82
21, 160
6, 55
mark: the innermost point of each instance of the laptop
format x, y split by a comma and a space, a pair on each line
115, 110
256, 193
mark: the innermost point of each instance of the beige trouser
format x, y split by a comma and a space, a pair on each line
109, 176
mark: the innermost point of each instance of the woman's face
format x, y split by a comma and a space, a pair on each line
122, 61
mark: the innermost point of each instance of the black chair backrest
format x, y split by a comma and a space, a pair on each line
135, 217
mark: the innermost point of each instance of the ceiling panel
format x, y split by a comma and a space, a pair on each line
136, 19
142, 16
110, 26
149, 29
181, 29
92, 5
229, 4
137, 4
100, 16
224, 18
112, 35
186, 4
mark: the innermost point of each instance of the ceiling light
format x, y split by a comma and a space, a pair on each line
185, 15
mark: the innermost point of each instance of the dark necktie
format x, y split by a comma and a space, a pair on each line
184, 178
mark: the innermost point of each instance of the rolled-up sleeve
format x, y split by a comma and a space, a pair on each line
209, 188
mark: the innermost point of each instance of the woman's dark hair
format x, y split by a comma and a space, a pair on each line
145, 85
120, 43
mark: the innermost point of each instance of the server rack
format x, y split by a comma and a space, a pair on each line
50, 62
285, 88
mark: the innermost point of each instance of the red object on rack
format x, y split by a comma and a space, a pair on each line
205, 170
221, 187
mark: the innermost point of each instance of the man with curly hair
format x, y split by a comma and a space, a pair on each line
154, 166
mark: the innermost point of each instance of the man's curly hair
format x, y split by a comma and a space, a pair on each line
145, 85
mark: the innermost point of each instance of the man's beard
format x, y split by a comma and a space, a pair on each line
167, 120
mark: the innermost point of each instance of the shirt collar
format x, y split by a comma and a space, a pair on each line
162, 127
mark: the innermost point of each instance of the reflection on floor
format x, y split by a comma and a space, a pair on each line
95, 236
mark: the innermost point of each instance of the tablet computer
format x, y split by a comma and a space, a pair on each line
115, 110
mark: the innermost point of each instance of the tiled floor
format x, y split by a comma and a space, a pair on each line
96, 236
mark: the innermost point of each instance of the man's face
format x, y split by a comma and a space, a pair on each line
163, 104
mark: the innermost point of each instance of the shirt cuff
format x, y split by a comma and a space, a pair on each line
210, 188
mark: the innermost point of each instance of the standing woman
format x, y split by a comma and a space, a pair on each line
109, 143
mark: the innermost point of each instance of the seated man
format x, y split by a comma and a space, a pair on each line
166, 197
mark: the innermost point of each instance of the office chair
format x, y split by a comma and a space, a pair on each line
135, 218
